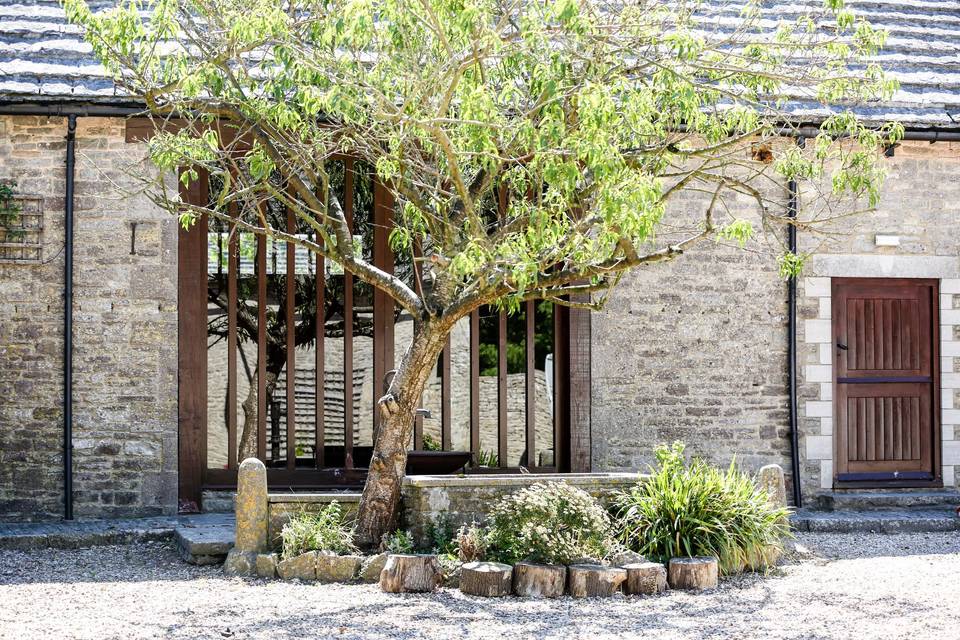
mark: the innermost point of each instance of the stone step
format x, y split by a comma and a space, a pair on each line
897, 500
77, 534
876, 521
205, 541
218, 501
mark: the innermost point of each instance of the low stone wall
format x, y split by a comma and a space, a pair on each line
463, 499
282, 506
428, 500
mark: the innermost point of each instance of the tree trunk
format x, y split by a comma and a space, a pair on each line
700, 572
377, 514
594, 581
539, 580
487, 579
411, 573
248, 436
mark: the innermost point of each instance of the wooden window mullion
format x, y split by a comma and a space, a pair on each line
261, 347
502, 432
502, 417
383, 304
531, 380
348, 325
319, 391
475, 387
446, 439
291, 326
232, 268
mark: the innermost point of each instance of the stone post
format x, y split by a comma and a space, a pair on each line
771, 481
251, 510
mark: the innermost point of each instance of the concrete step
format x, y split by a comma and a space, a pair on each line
877, 521
896, 500
205, 540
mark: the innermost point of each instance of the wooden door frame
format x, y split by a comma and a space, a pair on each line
936, 445
191, 363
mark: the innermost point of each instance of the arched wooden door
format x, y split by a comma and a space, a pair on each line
509, 391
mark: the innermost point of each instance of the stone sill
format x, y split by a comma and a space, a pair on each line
521, 479
275, 498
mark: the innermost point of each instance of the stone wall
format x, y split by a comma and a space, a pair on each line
125, 332
919, 205
283, 506
31, 330
694, 350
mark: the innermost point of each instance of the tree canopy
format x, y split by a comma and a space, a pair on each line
533, 146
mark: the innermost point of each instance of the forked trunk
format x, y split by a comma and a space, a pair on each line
379, 504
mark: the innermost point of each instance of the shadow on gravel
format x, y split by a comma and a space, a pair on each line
150, 561
449, 614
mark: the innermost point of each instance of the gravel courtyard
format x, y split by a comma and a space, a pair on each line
837, 586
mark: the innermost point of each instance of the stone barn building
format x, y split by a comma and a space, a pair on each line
138, 363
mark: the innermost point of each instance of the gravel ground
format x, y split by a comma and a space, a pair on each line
833, 586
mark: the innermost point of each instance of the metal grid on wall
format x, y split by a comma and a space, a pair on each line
21, 230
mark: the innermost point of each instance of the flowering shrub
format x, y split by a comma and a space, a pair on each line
551, 523
696, 509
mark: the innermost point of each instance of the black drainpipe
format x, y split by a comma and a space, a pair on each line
792, 207
68, 322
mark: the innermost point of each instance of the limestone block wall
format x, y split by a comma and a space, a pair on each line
919, 205
31, 330
125, 332
695, 350
458, 500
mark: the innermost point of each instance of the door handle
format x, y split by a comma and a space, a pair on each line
841, 346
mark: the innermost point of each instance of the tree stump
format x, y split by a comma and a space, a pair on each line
487, 579
701, 572
594, 580
645, 578
413, 573
539, 580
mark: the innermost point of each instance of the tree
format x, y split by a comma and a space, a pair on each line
532, 146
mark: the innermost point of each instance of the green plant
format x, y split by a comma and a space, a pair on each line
440, 536
10, 218
398, 542
326, 530
697, 509
430, 443
471, 543
487, 458
550, 522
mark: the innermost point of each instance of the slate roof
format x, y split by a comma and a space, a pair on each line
44, 59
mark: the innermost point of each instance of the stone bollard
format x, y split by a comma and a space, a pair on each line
770, 479
251, 510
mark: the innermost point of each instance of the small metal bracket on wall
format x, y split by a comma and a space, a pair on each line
133, 238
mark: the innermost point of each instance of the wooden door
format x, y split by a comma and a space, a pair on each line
886, 399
